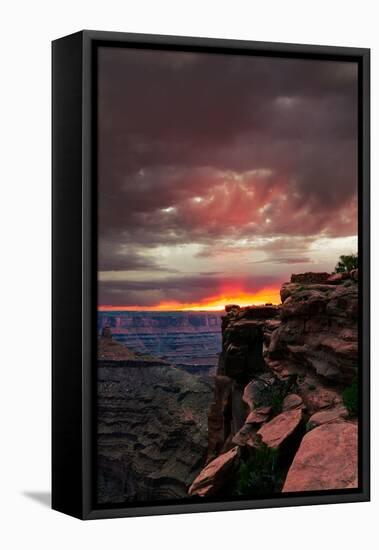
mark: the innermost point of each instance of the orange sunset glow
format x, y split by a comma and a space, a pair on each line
214, 303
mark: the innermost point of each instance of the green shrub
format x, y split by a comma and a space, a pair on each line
350, 398
271, 393
347, 263
258, 475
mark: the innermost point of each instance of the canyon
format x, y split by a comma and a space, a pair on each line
284, 413
151, 425
190, 339
275, 410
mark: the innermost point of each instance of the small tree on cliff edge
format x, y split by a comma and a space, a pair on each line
347, 263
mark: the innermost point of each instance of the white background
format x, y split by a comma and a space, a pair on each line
26, 31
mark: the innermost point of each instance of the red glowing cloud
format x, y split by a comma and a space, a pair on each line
218, 174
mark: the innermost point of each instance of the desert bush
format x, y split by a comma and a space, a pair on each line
350, 398
347, 263
259, 474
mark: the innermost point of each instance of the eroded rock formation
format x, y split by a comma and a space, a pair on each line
152, 426
278, 419
318, 330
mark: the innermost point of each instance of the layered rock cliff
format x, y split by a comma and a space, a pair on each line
152, 426
190, 339
283, 414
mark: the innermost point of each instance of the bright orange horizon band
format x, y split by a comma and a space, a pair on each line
214, 303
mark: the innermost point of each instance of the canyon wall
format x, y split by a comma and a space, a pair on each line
190, 339
283, 417
152, 425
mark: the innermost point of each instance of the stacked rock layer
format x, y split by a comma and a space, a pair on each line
279, 389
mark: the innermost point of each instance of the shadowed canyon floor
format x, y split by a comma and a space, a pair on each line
152, 426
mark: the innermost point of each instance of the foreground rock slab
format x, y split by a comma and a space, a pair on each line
326, 459
214, 474
275, 432
258, 416
291, 402
327, 416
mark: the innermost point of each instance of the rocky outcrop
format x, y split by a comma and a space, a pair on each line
258, 416
327, 459
292, 401
243, 338
279, 392
310, 278
318, 330
328, 416
152, 426
275, 432
219, 417
215, 475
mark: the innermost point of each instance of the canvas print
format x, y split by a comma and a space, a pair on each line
227, 323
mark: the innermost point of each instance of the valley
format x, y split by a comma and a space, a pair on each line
191, 340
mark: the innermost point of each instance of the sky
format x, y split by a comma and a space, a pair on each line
221, 175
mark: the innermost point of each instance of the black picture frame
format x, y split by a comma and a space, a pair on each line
74, 268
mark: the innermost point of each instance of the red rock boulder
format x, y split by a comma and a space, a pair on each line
326, 459
328, 416
215, 474
274, 433
292, 401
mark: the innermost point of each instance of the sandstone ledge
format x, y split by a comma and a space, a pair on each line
214, 474
327, 459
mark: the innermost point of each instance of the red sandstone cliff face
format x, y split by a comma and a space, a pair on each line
318, 331
279, 387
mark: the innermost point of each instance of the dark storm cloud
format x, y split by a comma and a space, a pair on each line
177, 289
211, 148
115, 257
289, 261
